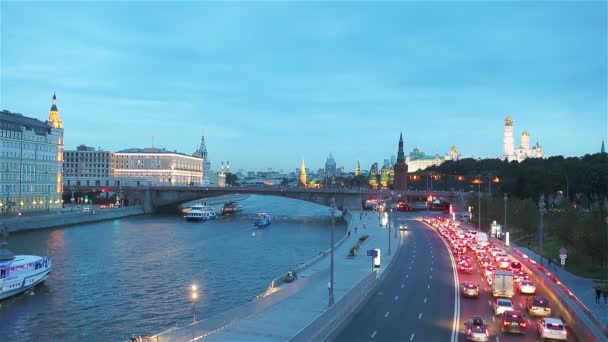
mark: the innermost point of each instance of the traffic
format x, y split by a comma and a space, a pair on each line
499, 300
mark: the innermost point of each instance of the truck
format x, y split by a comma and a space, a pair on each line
502, 284
481, 239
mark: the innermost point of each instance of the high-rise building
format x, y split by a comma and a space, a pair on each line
31, 158
330, 167
400, 168
302, 182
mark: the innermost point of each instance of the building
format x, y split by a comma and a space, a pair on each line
524, 151
454, 154
400, 168
417, 160
373, 176
31, 157
330, 167
87, 167
358, 169
602, 149
302, 182
201, 152
155, 166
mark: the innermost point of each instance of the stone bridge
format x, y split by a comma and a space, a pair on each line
167, 198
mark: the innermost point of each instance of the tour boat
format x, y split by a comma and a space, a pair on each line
262, 219
19, 273
231, 208
200, 212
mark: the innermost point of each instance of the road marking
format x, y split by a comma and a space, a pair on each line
386, 314
425, 299
374, 334
490, 302
497, 340
420, 316
431, 269
430, 277
396, 297
493, 318
410, 267
402, 285
521, 305
407, 275
412, 337
428, 286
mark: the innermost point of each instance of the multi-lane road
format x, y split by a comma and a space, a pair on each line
418, 300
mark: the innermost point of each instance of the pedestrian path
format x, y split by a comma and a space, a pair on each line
285, 319
583, 288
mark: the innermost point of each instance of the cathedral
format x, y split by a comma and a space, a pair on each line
524, 150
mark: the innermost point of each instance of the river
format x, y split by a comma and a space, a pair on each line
132, 276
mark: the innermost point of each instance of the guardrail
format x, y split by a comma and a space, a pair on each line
574, 313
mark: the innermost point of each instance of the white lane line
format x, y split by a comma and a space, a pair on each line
410, 267
420, 316
412, 337
396, 297
425, 299
497, 340
430, 277
374, 334
386, 314
493, 318
431, 269
407, 275
428, 286
402, 285
521, 305
490, 302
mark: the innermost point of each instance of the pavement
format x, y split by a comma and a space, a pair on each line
285, 319
583, 288
416, 301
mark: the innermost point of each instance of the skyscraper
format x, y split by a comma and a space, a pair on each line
400, 168
330, 167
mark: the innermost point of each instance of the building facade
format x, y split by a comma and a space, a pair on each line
201, 152
524, 150
87, 167
330, 167
31, 157
155, 166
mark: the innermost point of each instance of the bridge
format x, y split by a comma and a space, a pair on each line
167, 198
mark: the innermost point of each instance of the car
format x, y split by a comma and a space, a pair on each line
552, 328
402, 227
103, 206
470, 289
538, 306
527, 287
501, 305
477, 330
466, 267
485, 262
86, 209
513, 321
515, 266
489, 270
504, 263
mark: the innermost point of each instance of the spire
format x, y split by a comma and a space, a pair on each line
603, 149
303, 181
54, 119
358, 169
400, 154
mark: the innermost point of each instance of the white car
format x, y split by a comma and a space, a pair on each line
552, 328
527, 287
501, 305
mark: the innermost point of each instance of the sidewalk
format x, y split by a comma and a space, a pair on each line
285, 319
583, 288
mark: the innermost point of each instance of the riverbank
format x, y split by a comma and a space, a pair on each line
63, 218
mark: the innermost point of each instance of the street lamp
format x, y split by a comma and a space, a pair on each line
541, 209
504, 229
331, 276
194, 296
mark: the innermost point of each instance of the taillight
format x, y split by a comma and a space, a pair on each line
487, 332
505, 323
522, 324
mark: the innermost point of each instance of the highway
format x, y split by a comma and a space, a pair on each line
416, 300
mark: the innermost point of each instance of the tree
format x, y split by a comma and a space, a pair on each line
232, 179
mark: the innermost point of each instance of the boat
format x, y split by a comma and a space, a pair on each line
19, 273
200, 212
262, 219
231, 207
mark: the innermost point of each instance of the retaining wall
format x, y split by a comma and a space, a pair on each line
68, 218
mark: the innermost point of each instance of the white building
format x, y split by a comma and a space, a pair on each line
154, 166
524, 151
30, 162
201, 152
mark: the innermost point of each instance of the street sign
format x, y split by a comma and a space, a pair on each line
563, 258
563, 251
372, 253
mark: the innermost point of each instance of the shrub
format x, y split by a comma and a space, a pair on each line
363, 238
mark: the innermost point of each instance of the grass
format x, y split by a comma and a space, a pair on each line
576, 263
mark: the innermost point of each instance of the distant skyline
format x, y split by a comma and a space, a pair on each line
270, 83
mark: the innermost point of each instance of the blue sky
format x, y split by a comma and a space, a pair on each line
271, 82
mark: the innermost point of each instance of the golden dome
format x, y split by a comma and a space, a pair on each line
454, 149
508, 121
525, 133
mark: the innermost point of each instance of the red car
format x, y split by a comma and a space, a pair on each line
466, 267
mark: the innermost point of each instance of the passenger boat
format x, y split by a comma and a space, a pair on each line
262, 219
231, 208
200, 212
19, 273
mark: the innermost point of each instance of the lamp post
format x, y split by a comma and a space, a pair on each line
479, 204
504, 229
388, 211
541, 209
331, 275
194, 296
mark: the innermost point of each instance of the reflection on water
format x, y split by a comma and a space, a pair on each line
114, 278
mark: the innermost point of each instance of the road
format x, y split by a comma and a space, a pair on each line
416, 300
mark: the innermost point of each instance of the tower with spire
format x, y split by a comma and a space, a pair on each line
358, 169
400, 168
603, 149
302, 183
201, 152
57, 124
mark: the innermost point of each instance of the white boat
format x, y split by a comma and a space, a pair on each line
19, 273
262, 219
200, 212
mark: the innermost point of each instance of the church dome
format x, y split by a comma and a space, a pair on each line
454, 149
508, 121
525, 133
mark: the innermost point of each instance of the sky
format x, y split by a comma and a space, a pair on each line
270, 83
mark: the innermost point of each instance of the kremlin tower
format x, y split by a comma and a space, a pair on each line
400, 168
302, 183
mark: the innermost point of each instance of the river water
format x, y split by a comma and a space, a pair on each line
132, 276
